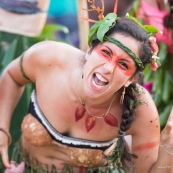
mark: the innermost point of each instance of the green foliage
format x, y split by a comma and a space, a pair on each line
102, 26
150, 29
162, 90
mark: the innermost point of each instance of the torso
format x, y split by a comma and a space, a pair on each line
57, 100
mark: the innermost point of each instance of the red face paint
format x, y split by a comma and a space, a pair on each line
146, 146
124, 64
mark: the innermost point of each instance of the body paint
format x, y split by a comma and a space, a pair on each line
145, 146
115, 60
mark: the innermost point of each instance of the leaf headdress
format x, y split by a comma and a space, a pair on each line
104, 24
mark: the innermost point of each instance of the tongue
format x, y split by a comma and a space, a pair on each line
99, 82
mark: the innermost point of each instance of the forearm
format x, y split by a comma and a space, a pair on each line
10, 93
164, 162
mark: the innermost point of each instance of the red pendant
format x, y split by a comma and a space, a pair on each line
80, 112
111, 120
90, 122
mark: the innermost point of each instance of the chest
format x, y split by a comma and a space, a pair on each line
58, 102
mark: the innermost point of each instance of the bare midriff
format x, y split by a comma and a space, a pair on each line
60, 155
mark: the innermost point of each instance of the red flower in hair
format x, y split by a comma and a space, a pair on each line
154, 45
154, 66
155, 50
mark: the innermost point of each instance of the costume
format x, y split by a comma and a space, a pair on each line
83, 153
38, 131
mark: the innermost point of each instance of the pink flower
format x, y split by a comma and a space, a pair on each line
155, 50
151, 15
154, 66
148, 86
154, 45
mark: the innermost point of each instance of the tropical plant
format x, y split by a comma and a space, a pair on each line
162, 80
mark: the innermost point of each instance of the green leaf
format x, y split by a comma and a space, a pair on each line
108, 22
164, 115
50, 30
166, 87
148, 28
147, 73
101, 27
162, 54
93, 31
151, 29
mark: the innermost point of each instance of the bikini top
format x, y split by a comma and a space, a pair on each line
37, 129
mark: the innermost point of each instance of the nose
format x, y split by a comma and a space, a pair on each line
108, 67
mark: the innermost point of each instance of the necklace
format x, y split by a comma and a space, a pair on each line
91, 118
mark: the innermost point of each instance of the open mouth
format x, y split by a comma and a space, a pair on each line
99, 81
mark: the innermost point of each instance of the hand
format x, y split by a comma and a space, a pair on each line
4, 149
16, 168
167, 132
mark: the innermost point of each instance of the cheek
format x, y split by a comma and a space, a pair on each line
129, 72
120, 79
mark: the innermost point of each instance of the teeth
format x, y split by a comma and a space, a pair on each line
101, 78
97, 86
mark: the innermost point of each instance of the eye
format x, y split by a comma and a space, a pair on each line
106, 52
124, 64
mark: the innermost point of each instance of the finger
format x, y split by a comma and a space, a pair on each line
168, 128
5, 158
170, 118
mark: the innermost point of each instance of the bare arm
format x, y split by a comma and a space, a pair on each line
154, 151
10, 93
35, 63
164, 162
145, 135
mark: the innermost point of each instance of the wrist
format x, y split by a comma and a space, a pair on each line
7, 134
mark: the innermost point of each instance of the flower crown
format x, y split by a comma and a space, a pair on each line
100, 28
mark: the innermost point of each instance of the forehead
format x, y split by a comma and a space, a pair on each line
128, 41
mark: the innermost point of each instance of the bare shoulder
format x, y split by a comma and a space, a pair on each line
46, 57
51, 51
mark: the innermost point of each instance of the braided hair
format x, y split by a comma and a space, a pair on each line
127, 27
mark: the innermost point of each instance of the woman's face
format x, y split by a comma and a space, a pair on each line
109, 67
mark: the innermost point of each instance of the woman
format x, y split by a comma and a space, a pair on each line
82, 103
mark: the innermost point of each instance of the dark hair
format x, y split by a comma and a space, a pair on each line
128, 27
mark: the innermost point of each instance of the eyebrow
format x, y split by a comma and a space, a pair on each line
126, 49
126, 60
113, 53
110, 50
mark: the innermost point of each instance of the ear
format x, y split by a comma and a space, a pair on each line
131, 80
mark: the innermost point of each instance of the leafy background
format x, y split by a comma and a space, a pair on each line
162, 79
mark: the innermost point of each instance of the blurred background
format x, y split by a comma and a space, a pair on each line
26, 22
